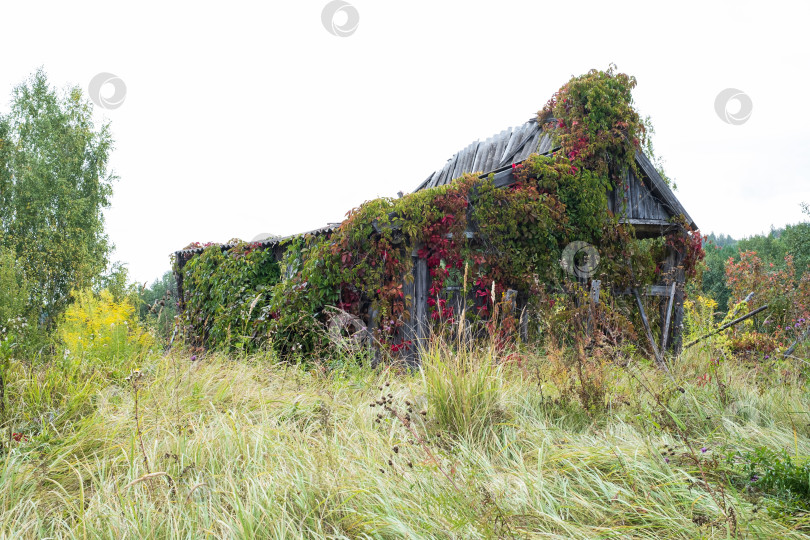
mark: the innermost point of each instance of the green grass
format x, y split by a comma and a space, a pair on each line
257, 449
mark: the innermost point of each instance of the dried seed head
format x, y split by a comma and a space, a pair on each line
390, 463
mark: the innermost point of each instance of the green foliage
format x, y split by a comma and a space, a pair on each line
770, 247
224, 290
115, 280
54, 184
781, 251
784, 482
18, 322
518, 235
787, 298
360, 266
718, 251
596, 122
14, 290
158, 305
797, 242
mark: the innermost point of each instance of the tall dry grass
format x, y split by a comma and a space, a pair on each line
492, 449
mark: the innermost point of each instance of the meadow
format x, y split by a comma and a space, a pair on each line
473, 444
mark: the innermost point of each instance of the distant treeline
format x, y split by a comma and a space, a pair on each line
772, 248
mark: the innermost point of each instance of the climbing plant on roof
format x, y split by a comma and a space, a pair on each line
474, 237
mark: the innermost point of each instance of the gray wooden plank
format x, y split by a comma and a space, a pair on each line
531, 146
480, 159
467, 166
510, 145
503, 139
522, 134
665, 329
431, 181
464, 162
476, 158
446, 172
421, 287
633, 185
408, 326
545, 143
457, 165
436, 177
625, 196
518, 136
659, 359
425, 182
661, 188
487, 167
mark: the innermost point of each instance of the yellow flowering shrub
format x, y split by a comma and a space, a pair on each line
699, 320
96, 328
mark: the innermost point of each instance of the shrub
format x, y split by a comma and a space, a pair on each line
785, 483
100, 330
787, 297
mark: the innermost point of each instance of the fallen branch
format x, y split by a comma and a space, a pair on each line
796, 343
727, 325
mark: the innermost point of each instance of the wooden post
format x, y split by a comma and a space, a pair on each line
415, 329
595, 285
524, 323
421, 287
674, 275
677, 322
665, 328
658, 358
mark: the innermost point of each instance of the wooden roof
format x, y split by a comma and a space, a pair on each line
270, 242
651, 202
511, 145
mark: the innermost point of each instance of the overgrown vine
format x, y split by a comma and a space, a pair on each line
476, 239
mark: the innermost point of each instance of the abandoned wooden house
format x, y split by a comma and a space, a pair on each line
644, 201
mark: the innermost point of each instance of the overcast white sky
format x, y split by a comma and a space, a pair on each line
249, 117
